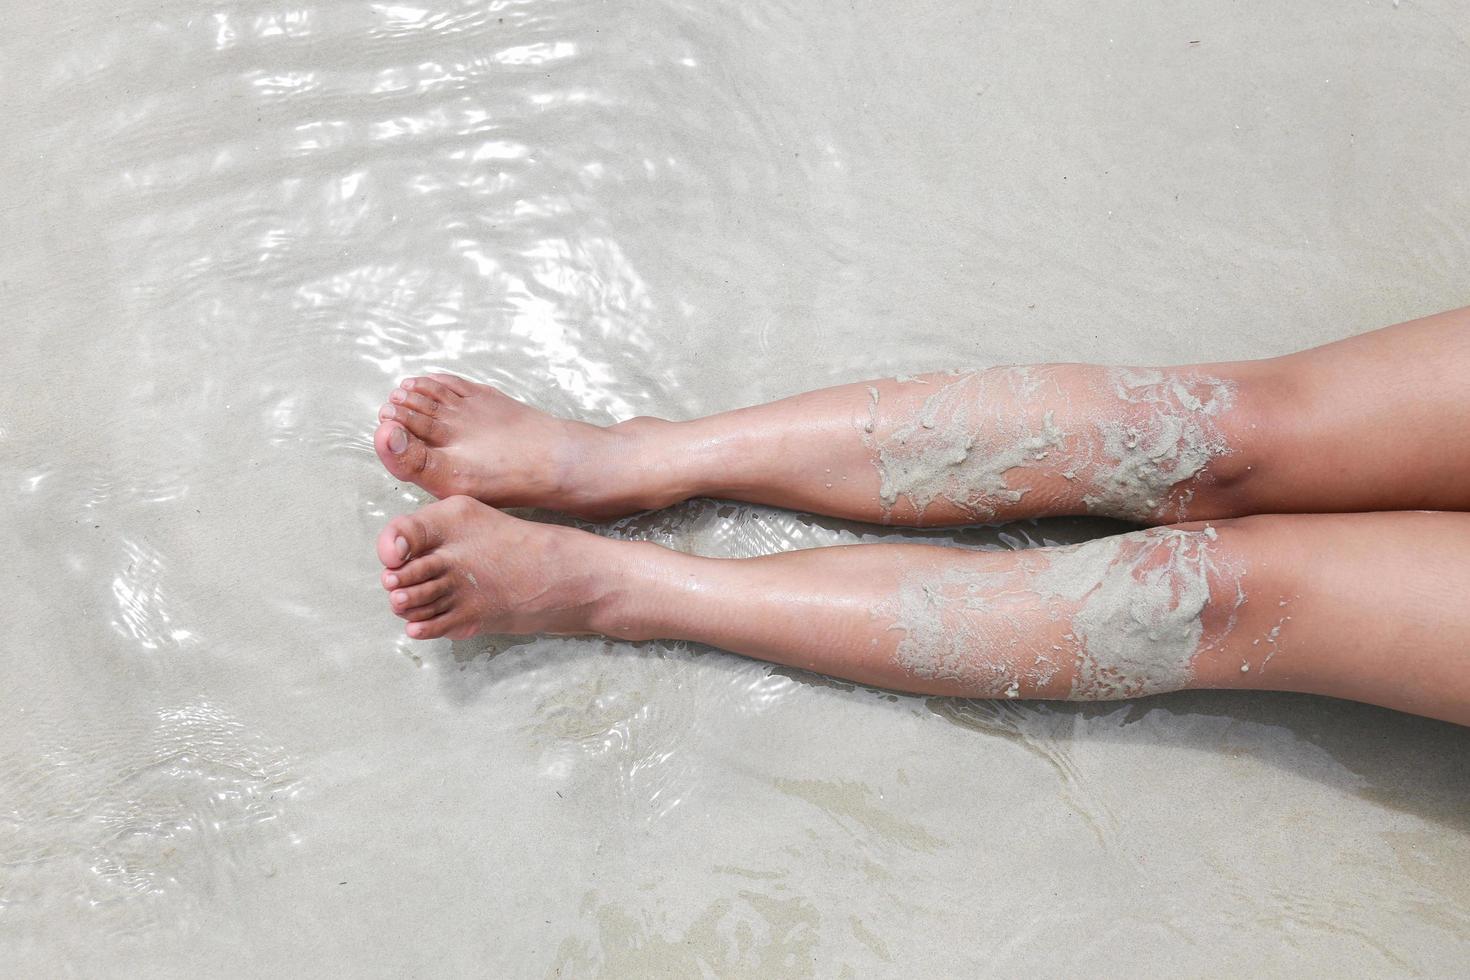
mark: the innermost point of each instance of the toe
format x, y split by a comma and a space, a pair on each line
430, 388
430, 629
413, 597
424, 613
417, 423
403, 454
454, 383
404, 538
393, 546
418, 570
423, 404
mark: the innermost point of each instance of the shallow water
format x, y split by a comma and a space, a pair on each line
227, 229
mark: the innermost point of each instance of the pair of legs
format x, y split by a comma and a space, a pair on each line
1368, 606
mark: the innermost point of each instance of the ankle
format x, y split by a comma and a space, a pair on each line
627, 578
635, 466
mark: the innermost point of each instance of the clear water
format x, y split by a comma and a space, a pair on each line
226, 229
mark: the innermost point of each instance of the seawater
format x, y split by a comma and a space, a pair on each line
227, 229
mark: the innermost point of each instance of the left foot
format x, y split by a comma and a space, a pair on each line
452, 436
457, 568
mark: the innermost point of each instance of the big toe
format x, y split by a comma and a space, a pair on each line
404, 538
403, 453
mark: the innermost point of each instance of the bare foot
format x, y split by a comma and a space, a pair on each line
458, 567
452, 436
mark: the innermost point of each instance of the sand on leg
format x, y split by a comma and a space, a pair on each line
1375, 422
1361, 606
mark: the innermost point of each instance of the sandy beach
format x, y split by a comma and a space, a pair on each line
227, 230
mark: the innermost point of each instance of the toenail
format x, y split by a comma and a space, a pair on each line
401, 544
398, 395
415, 630
400, 597
392, 581
389, 412
397, 443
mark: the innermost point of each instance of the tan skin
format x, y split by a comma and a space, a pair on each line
1366, 606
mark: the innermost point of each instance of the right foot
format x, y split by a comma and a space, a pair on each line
452, 436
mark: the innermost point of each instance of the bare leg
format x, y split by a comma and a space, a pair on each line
1380, 421
1365, 606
